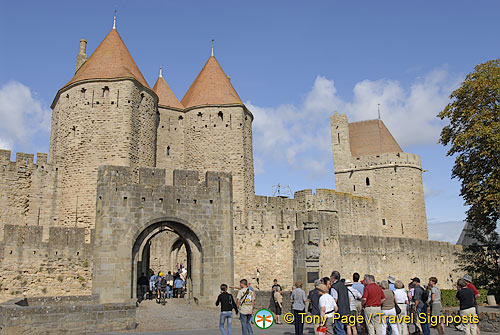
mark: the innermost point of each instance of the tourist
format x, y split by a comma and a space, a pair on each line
372, 299
275, 284
278, 303
435, 303
468, 280
391, 281
388, 308
327, 307
420, 297
313, 298
257, 277
356, 284
412, 310
178, 286
143, 284
170, 284
183, 274
227, 305
354, 297
298, 299
152, 284
326, 281
245, 302
402, 301
340, 294
466, 297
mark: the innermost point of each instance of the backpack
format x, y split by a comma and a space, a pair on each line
425, 295
163, 282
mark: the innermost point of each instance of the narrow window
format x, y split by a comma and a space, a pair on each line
168, 151
83, 92
354, 187
105, 91
367, 181
383, 222
221, 116
338, 138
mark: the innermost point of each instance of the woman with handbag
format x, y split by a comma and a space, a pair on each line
402, 302
389, 308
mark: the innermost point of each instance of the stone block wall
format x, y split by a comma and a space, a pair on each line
64, 315
28, 193
29, 266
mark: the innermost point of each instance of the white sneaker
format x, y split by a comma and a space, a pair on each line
460, 327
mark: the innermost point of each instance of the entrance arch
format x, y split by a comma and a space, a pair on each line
132, 206
187, 238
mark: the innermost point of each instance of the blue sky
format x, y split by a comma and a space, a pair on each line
292, 62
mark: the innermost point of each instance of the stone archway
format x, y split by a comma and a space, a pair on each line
131, 209
186, 237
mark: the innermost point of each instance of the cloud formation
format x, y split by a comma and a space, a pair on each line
23, 120
300, 135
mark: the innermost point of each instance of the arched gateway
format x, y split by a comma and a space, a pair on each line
132, 208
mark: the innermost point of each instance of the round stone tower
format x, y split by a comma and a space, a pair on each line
105, 115
369, 162
218, 133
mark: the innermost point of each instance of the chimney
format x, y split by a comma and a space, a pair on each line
82, 56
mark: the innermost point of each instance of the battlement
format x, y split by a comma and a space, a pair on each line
23, 159
264, 202
384, 160
214, 182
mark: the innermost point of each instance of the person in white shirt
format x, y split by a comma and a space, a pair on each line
354, 296
327, 307
402, 300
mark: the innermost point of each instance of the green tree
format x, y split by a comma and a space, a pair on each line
473, 137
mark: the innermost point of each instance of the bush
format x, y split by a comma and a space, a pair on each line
448, 297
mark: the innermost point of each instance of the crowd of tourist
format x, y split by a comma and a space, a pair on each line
162, 286
340, 297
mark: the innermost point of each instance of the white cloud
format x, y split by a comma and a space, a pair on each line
446, 231
300, 135
22, 117
431, 192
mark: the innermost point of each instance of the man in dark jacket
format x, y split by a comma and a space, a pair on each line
313, 298
340, 294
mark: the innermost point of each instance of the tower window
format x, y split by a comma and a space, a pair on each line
200, 114
221, 116
338, 138
367, 181
354, 187
168, 151
105, 91
383, 222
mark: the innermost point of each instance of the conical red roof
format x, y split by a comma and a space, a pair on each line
110, 60
165, 95
211, 87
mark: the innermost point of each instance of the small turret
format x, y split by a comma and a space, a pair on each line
82, 55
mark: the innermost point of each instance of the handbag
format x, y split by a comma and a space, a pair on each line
396, 306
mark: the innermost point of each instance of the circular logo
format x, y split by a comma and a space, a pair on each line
263, 318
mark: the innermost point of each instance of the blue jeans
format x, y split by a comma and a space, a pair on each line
338, 328
246, 327
227, 315
169, 292
425, 326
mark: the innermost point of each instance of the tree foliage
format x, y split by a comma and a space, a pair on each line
473, 136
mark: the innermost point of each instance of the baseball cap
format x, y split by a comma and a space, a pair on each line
416, 279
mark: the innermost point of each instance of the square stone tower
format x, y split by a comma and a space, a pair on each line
369, 162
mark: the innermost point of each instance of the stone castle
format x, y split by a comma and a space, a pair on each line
137, 180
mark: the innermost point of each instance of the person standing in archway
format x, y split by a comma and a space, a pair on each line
245, 301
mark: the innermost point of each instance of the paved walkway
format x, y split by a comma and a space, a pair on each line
181, 318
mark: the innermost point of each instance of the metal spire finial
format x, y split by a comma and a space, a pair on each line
378, 108
212, 47
114, 19
160, 73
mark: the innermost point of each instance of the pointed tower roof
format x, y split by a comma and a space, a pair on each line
370, 138
165, 95
211, 87
110, 60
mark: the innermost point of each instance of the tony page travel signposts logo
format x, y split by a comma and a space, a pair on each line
263, 318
